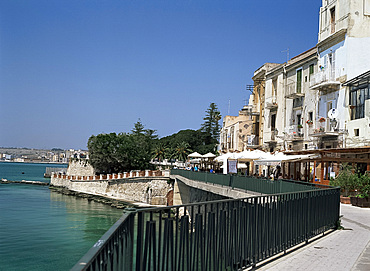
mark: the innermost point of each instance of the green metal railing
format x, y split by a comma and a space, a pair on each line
216, 235
249, 183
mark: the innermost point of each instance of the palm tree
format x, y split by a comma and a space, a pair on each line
181, 151
160, 152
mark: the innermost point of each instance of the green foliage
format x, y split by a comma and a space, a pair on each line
211, 126
352, 182
182, 151
161, 152
195, 138
110, 153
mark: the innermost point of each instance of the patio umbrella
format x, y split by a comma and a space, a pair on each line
209, 155
195, 155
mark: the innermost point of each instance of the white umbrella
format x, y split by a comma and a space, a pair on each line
195, 155
209, 155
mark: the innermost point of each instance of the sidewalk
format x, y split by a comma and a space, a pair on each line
347, 249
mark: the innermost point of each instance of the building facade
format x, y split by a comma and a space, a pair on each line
236, 131
319, 99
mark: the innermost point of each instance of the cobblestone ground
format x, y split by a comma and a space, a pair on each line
347, 249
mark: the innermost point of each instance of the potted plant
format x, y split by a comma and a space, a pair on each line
354, 186
300, 126
364, 191
309, 122
322, 119
347, 181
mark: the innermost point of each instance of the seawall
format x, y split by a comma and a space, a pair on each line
138, 190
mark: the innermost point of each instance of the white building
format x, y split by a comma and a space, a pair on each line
235, 134
321, 98
343, 54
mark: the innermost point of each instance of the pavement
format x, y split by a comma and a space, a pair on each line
346, 249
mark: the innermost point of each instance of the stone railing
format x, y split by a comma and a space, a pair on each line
114, 176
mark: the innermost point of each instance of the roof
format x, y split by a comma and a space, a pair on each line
357, 150
358, 79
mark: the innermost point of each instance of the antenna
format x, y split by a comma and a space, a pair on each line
287, 54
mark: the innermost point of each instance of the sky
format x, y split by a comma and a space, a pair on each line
75, 68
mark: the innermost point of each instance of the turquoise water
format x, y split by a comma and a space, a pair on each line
25, 171
44, 230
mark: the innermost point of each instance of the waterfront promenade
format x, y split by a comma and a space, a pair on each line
347, 249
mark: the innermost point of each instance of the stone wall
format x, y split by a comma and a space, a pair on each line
147, 190
185, 194
80, 167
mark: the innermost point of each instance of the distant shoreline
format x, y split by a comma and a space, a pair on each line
30, 162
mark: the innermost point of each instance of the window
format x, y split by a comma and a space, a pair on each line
273, 122
310, 116
357, 132
299, 81
357, 97
299, 117
274, 87
311, 67
332, 20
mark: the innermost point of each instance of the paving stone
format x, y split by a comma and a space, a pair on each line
347, 249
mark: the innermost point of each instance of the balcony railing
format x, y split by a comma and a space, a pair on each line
295, 132
325, 80
340, 26
326, 127
271, 102
298, 102
293, 91
217, 235
252, 140
252, 109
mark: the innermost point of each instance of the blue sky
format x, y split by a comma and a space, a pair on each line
73, 68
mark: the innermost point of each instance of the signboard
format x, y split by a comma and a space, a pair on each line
232, 166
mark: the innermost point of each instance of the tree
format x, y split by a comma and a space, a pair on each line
181, 151
211, 126
160, 152
102, 150
138, 128
112, 153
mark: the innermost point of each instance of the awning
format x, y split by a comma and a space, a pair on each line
277, 158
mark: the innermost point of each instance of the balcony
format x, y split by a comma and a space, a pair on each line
325, 80
293, 91
326, 127
271, 103
252, 141
251, 110
294, 133
298, 103
272, 137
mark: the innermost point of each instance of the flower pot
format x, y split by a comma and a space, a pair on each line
363, 202
345, 200
354, 201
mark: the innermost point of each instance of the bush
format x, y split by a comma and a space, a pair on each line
352, 183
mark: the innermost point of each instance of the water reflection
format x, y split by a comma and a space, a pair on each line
90, 217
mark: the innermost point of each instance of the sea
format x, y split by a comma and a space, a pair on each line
41, 229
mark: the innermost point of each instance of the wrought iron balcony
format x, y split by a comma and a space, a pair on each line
253, 141
326, 127
295, 133
251, 110
325, 80
293, 90
271, 103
